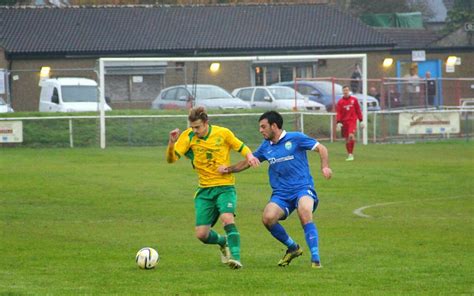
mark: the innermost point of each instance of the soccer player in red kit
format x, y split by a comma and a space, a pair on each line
347, 113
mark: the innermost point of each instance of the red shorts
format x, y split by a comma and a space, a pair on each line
348, 127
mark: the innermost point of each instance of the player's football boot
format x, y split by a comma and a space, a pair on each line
225, 254
234, 264
350, 157
316, 264
290, 255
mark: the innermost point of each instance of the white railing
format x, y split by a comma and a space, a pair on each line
324, 131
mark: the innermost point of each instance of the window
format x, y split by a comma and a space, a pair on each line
179, 66
170, 95
55, 96
305, 71
260, 95
280, 72
286, 73
80, 93
272, 75
304, 89
182, 94
245, 94
259, 76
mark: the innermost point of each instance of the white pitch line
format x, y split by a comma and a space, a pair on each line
358, 212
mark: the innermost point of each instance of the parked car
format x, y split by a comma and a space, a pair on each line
276, 97
321, 92
4, 107
209, 96
69, 94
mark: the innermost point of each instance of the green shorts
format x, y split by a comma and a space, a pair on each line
211, 202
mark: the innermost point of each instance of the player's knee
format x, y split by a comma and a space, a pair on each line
202, 235
305, 219
268, 220
305, 215
227, 218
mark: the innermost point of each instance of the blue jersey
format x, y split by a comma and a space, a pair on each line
289, 168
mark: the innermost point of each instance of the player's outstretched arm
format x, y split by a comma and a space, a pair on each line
238, 167
252, 160
324, 155
173, 137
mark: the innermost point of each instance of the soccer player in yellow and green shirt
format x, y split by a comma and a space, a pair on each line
208, 147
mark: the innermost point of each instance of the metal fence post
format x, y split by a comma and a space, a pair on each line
71, 136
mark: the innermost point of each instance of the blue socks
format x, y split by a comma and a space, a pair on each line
311, 236
280, 234
310, 233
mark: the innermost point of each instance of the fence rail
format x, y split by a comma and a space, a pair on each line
152, 130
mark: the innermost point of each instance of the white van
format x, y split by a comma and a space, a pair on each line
69, 94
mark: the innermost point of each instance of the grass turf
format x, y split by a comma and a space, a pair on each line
71, 221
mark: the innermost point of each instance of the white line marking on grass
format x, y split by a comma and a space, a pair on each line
359, 211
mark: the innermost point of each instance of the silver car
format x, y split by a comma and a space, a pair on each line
4, 107
209, 96
277, 97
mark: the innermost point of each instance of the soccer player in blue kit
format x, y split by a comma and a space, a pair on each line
291, 182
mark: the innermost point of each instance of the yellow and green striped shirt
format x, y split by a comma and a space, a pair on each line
210, 152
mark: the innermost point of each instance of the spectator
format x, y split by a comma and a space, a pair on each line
413, 87
431, 88
356, 79
374, 93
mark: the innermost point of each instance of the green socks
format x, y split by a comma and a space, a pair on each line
214, 238
233, 240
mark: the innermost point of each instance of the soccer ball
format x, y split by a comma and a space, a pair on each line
147, 258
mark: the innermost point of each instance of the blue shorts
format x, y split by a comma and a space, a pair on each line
289, 203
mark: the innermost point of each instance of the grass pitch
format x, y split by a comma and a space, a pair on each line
71, 221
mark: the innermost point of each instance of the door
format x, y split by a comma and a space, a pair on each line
262, 99
49, 101
432, 66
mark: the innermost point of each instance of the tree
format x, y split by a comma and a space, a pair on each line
462, 12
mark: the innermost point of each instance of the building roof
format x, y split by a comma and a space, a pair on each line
180, 30
410, 38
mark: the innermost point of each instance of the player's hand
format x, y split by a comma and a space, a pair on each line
327, 173
362, 125
173, 136
338, 126
223, 169
252, 160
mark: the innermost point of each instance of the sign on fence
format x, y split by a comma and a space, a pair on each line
11, 131
429, 123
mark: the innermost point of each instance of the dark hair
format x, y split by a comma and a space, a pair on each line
346, 86
197, 113
272, 117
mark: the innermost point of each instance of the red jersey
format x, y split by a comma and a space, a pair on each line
348, 109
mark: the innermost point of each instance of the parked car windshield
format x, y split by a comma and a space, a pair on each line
82, 93
210, 92
284, 93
